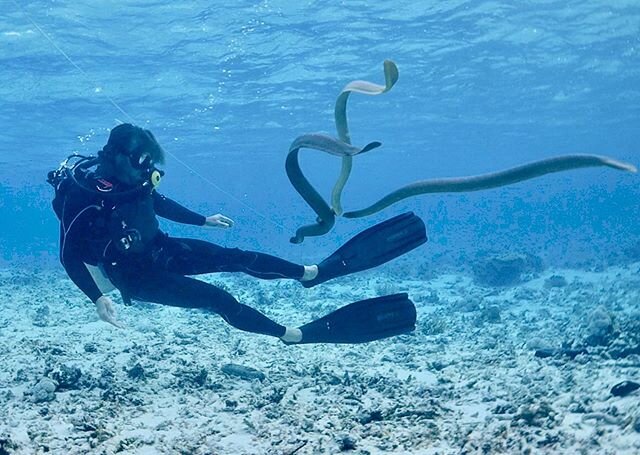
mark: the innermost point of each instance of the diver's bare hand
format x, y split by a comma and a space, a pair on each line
107, 312
218, 220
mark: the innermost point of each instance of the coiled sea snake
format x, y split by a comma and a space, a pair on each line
341, 146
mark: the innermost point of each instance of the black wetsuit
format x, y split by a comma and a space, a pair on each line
114, 226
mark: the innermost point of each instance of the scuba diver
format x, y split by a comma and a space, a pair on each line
110, 239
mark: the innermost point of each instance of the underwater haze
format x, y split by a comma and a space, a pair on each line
528, 295
226, 87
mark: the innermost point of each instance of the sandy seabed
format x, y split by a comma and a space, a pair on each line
466, 381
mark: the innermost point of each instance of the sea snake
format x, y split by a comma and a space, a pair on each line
342, 147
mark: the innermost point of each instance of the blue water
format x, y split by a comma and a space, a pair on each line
227, 87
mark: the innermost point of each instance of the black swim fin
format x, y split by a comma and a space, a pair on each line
363, 321
372, 247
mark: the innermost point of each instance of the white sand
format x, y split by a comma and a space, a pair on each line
460, 384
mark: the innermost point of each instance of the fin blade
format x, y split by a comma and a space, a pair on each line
363, 321
372, 247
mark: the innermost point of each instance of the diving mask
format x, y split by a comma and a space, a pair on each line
144, 163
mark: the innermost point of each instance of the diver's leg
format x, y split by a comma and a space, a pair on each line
194, 257
180, 291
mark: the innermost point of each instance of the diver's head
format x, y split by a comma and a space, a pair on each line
131, 153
